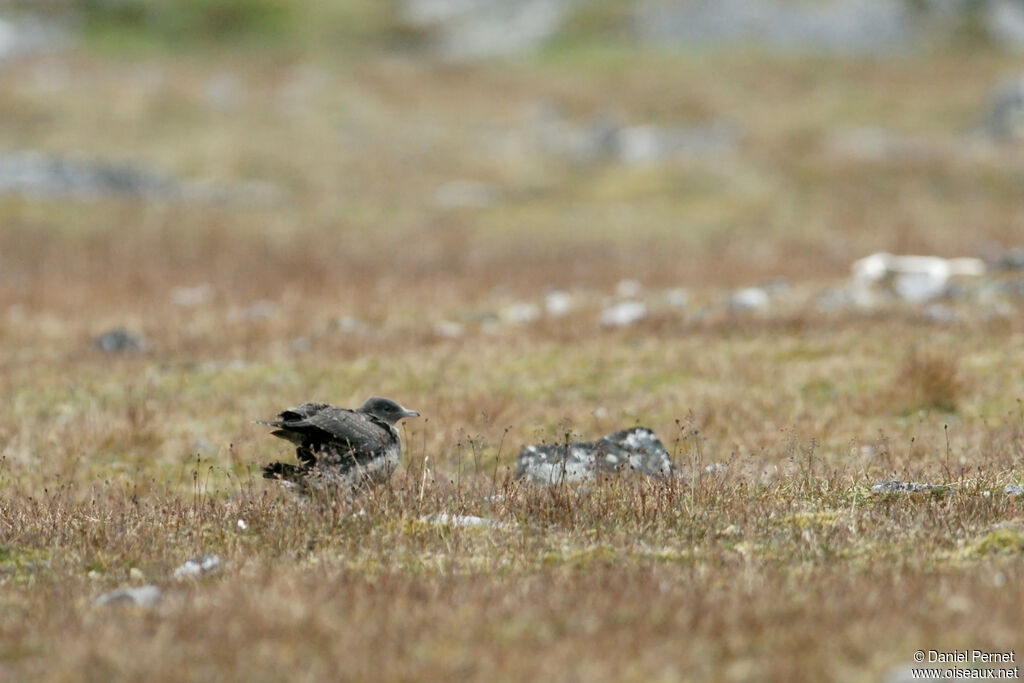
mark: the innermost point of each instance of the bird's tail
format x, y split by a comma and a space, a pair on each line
290, 474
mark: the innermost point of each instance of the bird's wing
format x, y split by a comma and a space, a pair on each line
327, 436
302, 412
352, 431
295, 416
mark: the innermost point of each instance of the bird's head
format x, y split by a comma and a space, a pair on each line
387, 410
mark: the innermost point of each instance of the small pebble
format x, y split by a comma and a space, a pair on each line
449, 329
557, 303
628, 289
749, 299
143, 596
520, 313
198, 566
120, 341
623, 314
447, 519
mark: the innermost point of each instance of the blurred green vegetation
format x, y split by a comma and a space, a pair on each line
181, 19
188, 24
591, 30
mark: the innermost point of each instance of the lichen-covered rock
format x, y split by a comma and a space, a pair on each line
631, 450
909, 487
452, 520
199, 566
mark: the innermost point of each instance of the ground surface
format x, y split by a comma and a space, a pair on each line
345, 281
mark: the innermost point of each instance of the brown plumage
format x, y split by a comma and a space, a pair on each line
339, 449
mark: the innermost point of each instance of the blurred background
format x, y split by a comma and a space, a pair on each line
528, 144
530, 220
306, 185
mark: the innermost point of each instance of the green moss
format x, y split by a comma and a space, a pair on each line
21, 563
1003, 541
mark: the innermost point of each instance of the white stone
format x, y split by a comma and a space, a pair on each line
197, 566
557, 303
677, 298
448, 519
628, 289
190, 297
749, 299
914, 279
143, 596
623, 314
449, 329
466, 194
520, 313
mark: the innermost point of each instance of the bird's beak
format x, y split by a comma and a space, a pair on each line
410, 413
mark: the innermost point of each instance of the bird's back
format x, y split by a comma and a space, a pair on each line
338, 447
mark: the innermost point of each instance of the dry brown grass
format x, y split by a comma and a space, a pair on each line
782, 567
929, 381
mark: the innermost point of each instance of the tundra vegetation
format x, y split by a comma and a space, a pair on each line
347, 273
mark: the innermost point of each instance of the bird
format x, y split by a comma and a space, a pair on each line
339, 449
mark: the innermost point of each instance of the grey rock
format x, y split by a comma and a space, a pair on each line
301, 345
260, 310
605, 139
628, 289
1013, 490
38, 174
587, 143
142, 596
917, 288
650, 143
913, 279
1011, 259
630, 450
873, 143
841, 26
350, 324
1005, 22
943, 315
198, 566
449, 329
520, 313
224, 91
835, 299
202, 445
467, 194
677, 297
1005, 119
29, 35
461, 30
448, 519
120, 341
190, 297
908, 487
